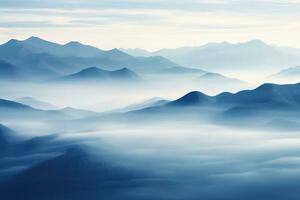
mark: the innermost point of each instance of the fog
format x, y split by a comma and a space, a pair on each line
161, 153
106, 97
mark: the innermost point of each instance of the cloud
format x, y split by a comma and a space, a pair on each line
29, 24
239, 6
143, 22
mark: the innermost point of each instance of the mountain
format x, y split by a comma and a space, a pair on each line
137, 52
36, 103
74, 174
30, 63
40, 60
9, 71
153, 102
290, 74
215, 79
94, 74
13, 110
257, 108
7, 138
268, 94
265, 96
77, 49
192, 99
253, 55
77, 113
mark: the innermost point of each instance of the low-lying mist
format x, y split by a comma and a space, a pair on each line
105, 97
150, 153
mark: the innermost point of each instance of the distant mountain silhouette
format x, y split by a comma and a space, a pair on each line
192, 99
10, 109
258, 108
215, 79
40, 59
290, 74
265, 96
77, 113
36, 103
70, 49
266, 101
95, 74
153, 102
9, 71
13, 110
251, 55
6, 104
137, 52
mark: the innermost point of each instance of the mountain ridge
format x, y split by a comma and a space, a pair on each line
224, 56
41, 60
98, 74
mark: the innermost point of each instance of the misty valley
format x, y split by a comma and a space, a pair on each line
78, 122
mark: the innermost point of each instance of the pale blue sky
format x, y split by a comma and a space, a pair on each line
152, 24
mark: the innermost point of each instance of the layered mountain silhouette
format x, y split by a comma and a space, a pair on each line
94, 74
40, 59
251, 55
153, 102
9, 71
10, 109
262, 101
265, 96
290, 74
38, 45
215, 79
30, 101
7, 138
14, 110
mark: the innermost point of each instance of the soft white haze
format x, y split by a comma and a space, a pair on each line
151, 24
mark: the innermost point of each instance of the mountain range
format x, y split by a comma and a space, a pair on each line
290, 74
266, 96
12, 110
32, 102
254, 55
94, 74
259, 107
35, 58
216, 79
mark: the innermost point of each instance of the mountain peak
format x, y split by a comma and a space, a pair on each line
116, 51
92, 70
124, 69
12, 42
212, 75
256, 42
192, 99
73, 43
266, 86
97, 74
33, 38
